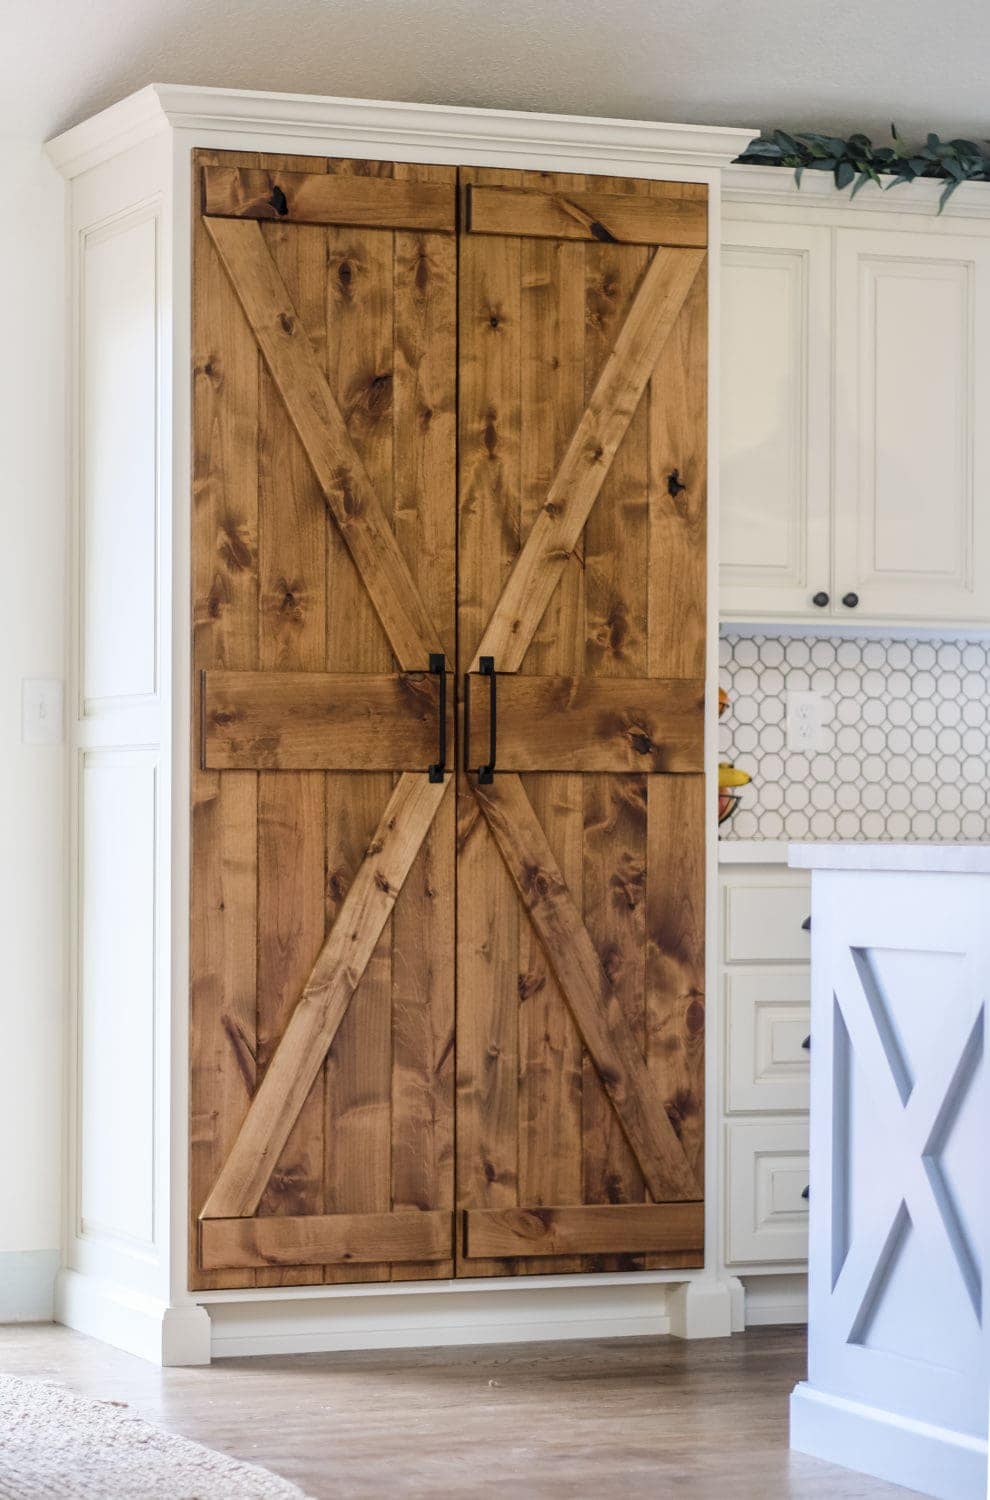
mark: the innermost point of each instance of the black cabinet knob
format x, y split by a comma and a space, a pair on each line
850, 600
806, 924
806, 1194
820, 599
806, 1044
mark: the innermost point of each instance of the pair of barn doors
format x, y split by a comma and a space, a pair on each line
448, 542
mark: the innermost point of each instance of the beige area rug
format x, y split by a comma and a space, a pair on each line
56, 1446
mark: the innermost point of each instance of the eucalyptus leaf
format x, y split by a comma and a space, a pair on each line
857, 161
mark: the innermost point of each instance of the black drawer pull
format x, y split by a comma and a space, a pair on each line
820, 600
806, 925
806, 1044
806, 1194
438, 666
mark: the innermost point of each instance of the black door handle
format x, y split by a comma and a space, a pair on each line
438, 666
486, 773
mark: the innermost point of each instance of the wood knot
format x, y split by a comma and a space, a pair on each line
640, 742
288, 322
695, 1016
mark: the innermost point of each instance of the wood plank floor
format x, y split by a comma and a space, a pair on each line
597, 1418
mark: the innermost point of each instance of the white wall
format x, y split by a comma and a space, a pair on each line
32, 777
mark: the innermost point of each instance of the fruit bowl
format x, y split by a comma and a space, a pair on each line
727, 804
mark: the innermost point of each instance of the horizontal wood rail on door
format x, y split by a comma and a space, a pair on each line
596, 724
311, 721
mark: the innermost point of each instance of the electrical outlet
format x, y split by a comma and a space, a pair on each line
41, 711
804, 721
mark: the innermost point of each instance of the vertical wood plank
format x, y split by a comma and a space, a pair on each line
223, 891
550, 1049
424, 417
615, 806
676, 813
488, 540
292, 554
677, 547
359, 320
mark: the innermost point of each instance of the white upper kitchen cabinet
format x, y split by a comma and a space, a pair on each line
776, 333
855, 365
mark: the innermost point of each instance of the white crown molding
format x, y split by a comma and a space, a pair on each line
420, 126
776, 185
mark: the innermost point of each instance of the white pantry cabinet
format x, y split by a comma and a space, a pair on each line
855, 363
131, 1134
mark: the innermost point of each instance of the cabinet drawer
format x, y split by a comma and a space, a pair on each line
766, 1166
768, 1020
761, 920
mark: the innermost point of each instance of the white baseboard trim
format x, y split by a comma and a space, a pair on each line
930, 1460
447, 1319
775, 1299
27, 1285
154, 1330
703, 1309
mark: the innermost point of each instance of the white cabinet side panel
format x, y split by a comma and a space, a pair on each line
118, 459
117, 996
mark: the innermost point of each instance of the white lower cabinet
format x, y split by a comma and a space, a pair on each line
767, 1020
766, 1165
765, 980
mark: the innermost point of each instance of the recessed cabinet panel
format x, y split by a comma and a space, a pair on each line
911, 327
766, 1165
117, 478
767, 1021
774, 417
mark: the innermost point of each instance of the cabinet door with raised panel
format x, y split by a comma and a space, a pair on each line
775, 352
912, 452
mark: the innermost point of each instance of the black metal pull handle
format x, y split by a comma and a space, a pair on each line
806, 925
806, 1193
820, 600
806, 1044
486, 773
438, 666
850, 600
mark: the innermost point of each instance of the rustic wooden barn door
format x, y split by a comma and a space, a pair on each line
322, 954
581, 617
347, 316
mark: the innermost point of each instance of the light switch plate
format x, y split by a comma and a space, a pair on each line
805, 714
41, 711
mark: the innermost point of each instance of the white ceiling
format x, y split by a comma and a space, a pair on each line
841, 65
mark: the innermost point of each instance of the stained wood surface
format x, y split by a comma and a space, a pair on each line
315, 1239
327, 362
594, 1004
278, 591
558, 345
316, 416
616, 1228
614, 724
319, 198
331, 721
335, 976
654, 311
576, 215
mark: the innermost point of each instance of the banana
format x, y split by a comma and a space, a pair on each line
729, 776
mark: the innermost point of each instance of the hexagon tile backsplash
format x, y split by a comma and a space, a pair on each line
904, 744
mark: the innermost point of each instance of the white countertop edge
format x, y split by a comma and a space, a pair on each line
753, 851
945, 859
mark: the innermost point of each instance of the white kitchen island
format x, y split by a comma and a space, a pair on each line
900, 1165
